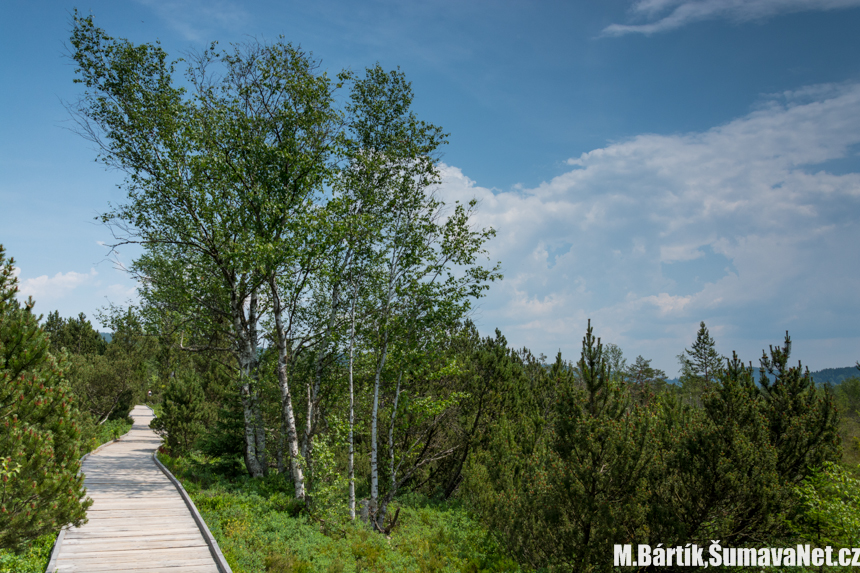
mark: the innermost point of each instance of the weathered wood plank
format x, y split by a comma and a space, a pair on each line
108, 541
123, 533
195, 566
138, 521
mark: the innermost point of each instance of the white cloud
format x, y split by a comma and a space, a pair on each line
197, 21
119, 293
748, 201
45, 288
664, 15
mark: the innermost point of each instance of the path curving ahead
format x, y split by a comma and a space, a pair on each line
139, 521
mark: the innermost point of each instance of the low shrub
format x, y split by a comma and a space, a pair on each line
33, 559
261, 529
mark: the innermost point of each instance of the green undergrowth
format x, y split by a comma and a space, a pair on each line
33, 559
34, 556
260, 528
108, 431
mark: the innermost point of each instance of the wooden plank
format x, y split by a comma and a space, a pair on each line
137, 512
183, 546
129, 539
106, 535
138, 520
188, 566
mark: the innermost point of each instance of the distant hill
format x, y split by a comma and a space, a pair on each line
826, 376
835, 375
107, 336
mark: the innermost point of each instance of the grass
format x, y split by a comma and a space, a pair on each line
34, 556
259, 528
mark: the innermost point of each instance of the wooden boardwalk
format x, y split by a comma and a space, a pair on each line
139, 521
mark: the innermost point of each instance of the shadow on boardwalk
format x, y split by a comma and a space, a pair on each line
139, 521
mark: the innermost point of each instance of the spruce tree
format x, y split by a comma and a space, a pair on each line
701, 367
40, 436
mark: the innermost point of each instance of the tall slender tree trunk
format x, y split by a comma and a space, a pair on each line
351, 453
287, 414
374, 423
374, 420
246, 334
259, 426
314, 392
393, 471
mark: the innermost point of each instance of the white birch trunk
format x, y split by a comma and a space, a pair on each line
374, 422
351, 454
246, 356
313, 395
393, 486
259, 426
286, 398
391, 432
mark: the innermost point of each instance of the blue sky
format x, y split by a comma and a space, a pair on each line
647, 164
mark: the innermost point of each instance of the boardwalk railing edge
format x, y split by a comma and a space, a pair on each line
220, 560
223, 566
55, 550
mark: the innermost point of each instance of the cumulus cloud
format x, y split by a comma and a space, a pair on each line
663, 15
751, 202
45, 288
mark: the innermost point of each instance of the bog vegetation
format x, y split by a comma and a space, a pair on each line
303, 333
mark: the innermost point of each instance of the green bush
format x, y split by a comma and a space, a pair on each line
183, 416
830, 499
32, 559
260, 530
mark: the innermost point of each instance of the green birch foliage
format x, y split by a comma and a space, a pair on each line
40, 437
830, 497
222, 186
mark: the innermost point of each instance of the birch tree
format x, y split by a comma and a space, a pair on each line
424, 268
215, 181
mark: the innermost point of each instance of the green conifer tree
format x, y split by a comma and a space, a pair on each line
601, 455
40, 436
715, 475
644, 380
700, 367
184, 414
76, 335
803, 420
561, 499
